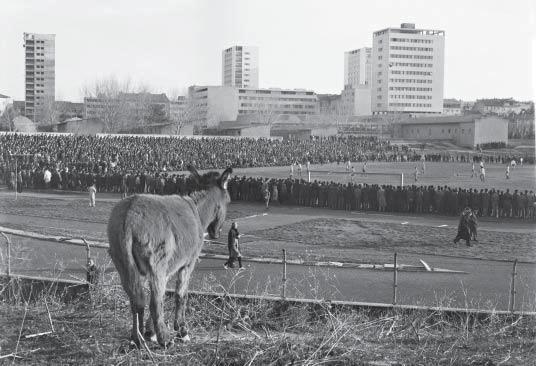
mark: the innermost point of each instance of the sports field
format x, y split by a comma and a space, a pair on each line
436, 173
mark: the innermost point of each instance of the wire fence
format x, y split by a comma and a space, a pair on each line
282, 262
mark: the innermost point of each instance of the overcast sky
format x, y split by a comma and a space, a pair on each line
169, 45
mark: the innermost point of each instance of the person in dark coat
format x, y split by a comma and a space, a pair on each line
232, 244
464, 231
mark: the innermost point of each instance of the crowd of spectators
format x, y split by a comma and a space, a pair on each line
442, 200
136, 164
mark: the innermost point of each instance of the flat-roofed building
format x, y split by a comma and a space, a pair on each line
240, 66
128, 109
220, 103
40, 75
407, 70
467, 131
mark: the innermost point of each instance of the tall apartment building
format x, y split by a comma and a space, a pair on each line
407, 70
240, 67
357, 67
40, 75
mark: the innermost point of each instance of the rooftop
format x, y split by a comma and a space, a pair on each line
442, 119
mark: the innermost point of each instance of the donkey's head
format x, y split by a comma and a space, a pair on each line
217, 196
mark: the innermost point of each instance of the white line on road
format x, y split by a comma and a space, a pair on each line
252, 216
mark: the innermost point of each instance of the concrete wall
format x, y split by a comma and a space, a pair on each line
466, 134
83, 127
324, 131
491, 129
362, 104
256, 131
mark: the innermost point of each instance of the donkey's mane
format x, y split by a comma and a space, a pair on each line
197, 196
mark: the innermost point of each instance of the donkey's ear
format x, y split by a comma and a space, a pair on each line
193, 172
224, 178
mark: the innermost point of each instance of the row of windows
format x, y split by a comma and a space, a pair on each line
411, 64
427, 49
408, 88
449, 131
275, 92
412, 40
410, 96
280, 99
419, 57
418, 81
419, 105
248, 111
400, 72
270, 106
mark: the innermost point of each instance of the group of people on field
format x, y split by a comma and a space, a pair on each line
385, 198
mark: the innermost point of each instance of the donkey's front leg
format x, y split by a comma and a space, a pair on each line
181, 299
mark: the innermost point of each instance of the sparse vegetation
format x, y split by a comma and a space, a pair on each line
93, 328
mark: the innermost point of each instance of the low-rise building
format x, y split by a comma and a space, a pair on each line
224, 103
131, 108
501, 107
79, 126
5, 101
467, 131
452, 107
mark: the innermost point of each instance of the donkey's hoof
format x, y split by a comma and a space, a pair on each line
151, 337
184, 339
132, 345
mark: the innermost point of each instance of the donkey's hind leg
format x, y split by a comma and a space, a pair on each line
158, 288
181, 299
137, 304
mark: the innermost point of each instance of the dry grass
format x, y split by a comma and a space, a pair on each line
92, 328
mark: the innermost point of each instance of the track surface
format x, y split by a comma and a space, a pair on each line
486, 284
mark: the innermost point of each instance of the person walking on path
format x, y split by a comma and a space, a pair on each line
92, 192
232, 243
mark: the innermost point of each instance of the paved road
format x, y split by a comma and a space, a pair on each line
486, 285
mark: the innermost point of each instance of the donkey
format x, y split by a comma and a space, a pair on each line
153, 237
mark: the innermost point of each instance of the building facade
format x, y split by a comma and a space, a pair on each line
452, 107
5, 101
240, 67
222, 103
408, 70
358, 67
467, 131
40, 75
128, 110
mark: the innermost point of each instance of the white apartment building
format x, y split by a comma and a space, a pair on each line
240, 67
357, 67
222, 103
40, 74
408, 70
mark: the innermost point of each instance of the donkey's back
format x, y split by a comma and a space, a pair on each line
148, 232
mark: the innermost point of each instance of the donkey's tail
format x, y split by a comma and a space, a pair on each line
122, 248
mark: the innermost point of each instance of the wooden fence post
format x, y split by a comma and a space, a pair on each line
284, 279
512, 302
395, 280
8, 270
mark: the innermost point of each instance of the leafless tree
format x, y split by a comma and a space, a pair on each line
187, 113
117, 103
7, 118
266, 114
